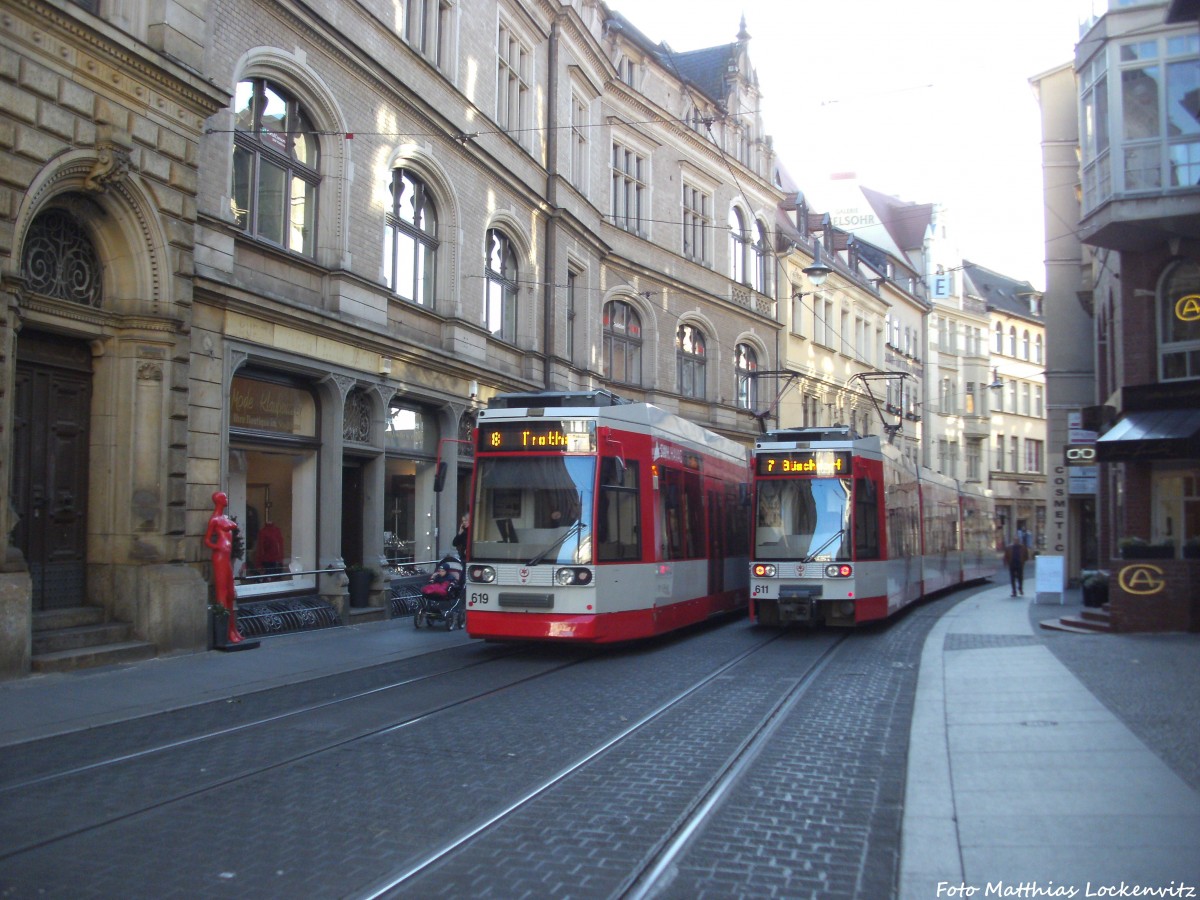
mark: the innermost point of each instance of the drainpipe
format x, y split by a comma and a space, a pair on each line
551, 265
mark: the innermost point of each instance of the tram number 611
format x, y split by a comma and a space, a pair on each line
481, 598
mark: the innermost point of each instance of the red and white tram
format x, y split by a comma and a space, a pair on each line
595, 519
847, 531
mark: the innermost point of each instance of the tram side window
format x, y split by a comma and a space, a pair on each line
618, 512
737, 522
866, 519
682, 514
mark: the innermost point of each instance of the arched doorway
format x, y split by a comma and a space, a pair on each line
51, 420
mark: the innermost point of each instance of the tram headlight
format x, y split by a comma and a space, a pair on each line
567, 576
763, 570
482, 574
839, 570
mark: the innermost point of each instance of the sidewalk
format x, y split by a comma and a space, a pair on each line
1022, 783
39, 706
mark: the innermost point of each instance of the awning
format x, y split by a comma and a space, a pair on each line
1150, 435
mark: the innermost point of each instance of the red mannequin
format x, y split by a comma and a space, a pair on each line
219, 537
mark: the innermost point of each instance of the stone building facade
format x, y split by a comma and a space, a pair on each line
285, 250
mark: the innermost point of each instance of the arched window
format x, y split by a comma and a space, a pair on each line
745, 364
622, 343
1179, 322
275, 167
1012, 341
758, 259
999, 338
738, 239
410, 253
1025, 344
60, 260
1038, 350
500, 299
689, 354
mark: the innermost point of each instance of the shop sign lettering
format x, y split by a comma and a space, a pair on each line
1141, 579
1187, 309
264, 407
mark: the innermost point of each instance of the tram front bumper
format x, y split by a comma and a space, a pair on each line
796, 603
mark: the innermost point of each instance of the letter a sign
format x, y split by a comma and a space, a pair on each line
1187, 309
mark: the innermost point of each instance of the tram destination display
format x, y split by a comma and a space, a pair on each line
804, 462
565, 436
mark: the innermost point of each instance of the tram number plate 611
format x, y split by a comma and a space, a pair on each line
760, 590
480, 598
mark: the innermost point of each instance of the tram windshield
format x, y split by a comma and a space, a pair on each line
533, 510
803, 518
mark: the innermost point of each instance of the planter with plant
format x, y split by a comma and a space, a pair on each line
1140, 548
1094, 583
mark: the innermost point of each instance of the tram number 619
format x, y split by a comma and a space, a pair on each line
480, 598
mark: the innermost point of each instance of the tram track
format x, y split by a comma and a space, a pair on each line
16, 796
146, 781
642, 880
646, 882
165, 746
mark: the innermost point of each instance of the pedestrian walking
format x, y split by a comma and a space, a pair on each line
1015, 555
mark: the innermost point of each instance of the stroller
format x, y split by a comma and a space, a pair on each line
441, 601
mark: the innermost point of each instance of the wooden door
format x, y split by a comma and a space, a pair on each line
50, 466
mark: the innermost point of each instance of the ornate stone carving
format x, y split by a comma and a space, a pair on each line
356, 423
112, 165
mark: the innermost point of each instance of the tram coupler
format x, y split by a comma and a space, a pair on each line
797, 604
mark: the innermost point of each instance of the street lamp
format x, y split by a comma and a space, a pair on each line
818, 271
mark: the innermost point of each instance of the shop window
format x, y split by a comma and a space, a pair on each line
410, 442
272, 484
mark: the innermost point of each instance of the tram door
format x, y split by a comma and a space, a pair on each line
716, 543
50, 466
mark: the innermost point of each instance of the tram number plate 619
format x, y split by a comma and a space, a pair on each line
479, 598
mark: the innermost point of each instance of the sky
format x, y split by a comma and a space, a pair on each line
926, 100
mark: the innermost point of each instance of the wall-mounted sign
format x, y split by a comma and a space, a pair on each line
1141, 579
1081, 480
1187, 309
267, 406
1080, 454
